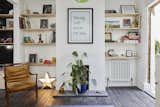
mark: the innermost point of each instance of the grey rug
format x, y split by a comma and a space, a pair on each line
82, 106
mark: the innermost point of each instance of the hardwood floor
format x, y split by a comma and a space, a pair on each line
119, 97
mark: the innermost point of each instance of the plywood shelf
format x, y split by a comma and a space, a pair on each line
38, 15
121, 15
121, 58
38, 64
6, 43
126, 28
37, 30
7, 29
39, 44
6, 15
120, 43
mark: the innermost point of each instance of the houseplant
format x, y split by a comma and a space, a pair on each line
78, 74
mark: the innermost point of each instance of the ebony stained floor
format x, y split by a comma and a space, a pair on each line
119, 97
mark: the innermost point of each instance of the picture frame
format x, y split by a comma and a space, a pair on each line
80, 26
108, 37
113, 23
44, 23
32, 58
128, 9
127, 23
9, 23
128, 53
47, 9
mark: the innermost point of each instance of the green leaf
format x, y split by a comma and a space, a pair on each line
75, 54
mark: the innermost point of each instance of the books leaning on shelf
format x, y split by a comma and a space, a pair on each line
24, 22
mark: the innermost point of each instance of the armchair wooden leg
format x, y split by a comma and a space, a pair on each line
36, 91
7, 100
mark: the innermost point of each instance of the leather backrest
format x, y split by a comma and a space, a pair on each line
17, 73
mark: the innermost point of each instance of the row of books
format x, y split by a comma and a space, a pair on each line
24, 22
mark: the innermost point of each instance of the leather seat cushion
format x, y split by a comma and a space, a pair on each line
21, 85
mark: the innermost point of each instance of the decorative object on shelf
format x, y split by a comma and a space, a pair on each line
32, 58
24, 23
47, 81
53, 60
110, 11
44, 23
47, 61
126, 22
6, 40
128, 53
35, 12
132, 38
113, 23
136, 22
40, 38
81, 1
128, 9
111, 53
11, 11
47, 9
80, 25
9, 23
157, 47
108, 37
53, 37
28, 39
41, 61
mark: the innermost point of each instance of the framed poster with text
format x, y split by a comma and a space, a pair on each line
80, 25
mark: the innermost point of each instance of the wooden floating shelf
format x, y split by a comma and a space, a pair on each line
6, 44
120, 14
121, 43
38, 44
7, 29
6, 15
121, 58
36, 64
129, 28
38, 30
38, 15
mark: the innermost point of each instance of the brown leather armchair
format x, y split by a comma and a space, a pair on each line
18, 78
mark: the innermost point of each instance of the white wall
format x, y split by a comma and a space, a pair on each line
96, 51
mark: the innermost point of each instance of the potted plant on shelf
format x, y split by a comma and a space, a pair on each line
78, 74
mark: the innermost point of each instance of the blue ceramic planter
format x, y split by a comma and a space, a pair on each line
83, 88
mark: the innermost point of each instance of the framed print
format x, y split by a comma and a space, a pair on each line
80, 25
127, 23
44, 23
128, 53
32, 58
47, 9
128, 9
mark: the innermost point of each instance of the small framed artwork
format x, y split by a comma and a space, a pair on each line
9, 23
80, 25
44, 23
128, 9
108, 37
47, 9
128, 53
32, 58
127, 23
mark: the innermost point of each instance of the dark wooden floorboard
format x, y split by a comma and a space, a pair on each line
119, 97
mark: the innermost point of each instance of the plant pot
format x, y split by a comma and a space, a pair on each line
83, 88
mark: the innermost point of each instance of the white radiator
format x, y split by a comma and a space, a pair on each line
121, 70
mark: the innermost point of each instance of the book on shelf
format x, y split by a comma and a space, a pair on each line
24, 22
